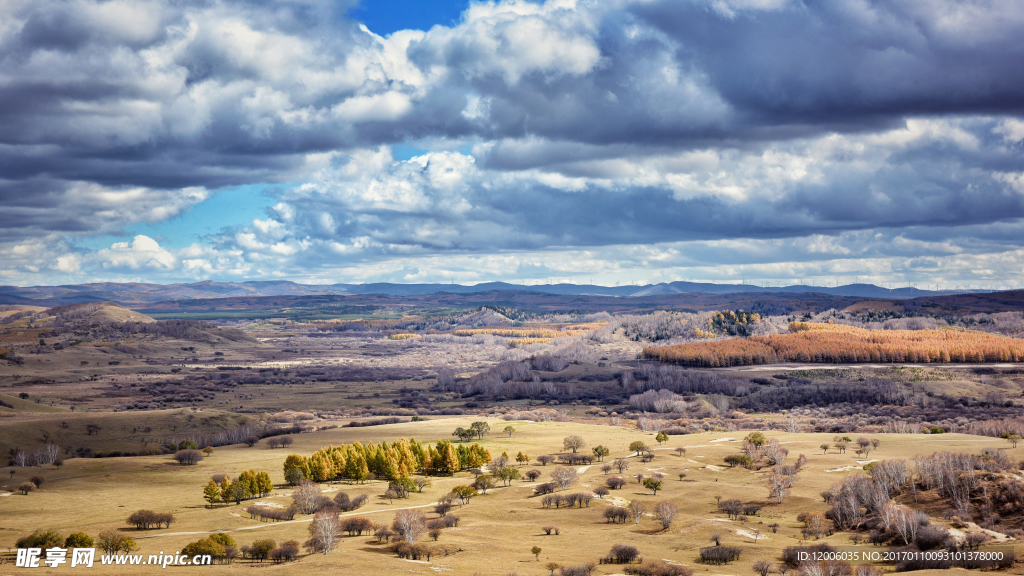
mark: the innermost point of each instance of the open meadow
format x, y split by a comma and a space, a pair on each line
283, 441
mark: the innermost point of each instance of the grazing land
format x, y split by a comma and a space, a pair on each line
105, 413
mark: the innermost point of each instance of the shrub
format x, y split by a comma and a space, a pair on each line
204, 546
615, 482
41, 539
658, 569
719, 554
224, 539
79, 540
188, 457
623, 554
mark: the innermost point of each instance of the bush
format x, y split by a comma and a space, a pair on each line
615, 482
623, 554
188, 457
204, 546
791, 555
146, 519
719, 554
41, 539
658, 569
79, 540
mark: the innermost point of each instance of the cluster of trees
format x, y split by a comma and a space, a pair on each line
146, 519
391, 461
48, 454
51, 538
475, 430
845, 344
734, 323
568, 500
249, 484
223, 549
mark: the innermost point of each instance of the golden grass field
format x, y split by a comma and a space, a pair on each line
497, 530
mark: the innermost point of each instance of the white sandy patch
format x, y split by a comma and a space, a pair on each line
268, 504
692, 461
2, 494
750, 534
712, 467
863, 462
996, 536
845, 469
654, 469
724, 440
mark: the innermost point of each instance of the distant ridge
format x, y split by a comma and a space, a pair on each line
134, 294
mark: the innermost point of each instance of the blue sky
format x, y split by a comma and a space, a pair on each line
622, 140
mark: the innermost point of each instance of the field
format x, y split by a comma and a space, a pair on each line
497, 529
112, 391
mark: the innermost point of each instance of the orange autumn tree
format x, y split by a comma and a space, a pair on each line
836, 343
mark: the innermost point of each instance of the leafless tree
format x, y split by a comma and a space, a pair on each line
666, 512
564, 477
306, 496
410, 525
637, 510
779, 485
621, 464
763, 567
324, 530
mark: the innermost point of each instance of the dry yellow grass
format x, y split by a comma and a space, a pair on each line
497, 530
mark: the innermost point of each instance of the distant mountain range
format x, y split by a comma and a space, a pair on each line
137, 294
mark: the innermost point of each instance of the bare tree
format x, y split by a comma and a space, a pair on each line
779, 485
637, 510
621, 464
306, 496
666, 512
410, 525
564, 477
763, 567
324, 530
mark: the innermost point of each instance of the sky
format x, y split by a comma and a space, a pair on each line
603, 141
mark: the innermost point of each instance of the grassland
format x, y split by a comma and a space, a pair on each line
497, 529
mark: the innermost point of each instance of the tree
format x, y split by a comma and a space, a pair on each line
480, 428
600, 452
666, 512
211, 493
465, 493
421, 483
564, 477
409, 524
681, 451
536, 552
545, 459
615, 482
763, 567
1013, 438
188, 457
522, 458
573, 443
621, 464
483, 483
507, 475
824, 448
638, 446
402, 486
113, 542
294, 475
842, 444
306, 496
79, 540
661, 437
464, 434
91, 429
756, 438
206, 546
552, 566
779, 485
208, 451
637, 510
653, 485
324, 530
532, 475
251, 441
509, 430
601, 491
260, 549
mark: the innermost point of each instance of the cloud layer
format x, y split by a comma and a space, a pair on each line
617, 139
